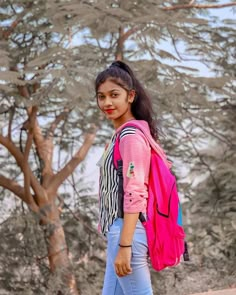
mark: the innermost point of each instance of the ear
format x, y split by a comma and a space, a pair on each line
131, 96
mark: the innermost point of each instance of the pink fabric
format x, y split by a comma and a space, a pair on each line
165, 237
135, 149
168, 246
143, 125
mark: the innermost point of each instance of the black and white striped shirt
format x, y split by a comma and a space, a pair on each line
108, 184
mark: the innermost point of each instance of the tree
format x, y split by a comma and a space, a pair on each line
30, 144
47, 89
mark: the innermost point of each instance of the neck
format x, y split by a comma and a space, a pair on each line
118, 124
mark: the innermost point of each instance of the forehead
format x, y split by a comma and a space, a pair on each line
108, 86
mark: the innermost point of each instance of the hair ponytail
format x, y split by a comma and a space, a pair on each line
141, 108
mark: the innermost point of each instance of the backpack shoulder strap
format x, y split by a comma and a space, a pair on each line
116, 152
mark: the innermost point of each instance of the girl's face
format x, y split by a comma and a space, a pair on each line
115, 102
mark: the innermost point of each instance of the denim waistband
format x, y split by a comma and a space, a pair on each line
118, 224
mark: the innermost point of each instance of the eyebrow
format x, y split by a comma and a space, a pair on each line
99, 92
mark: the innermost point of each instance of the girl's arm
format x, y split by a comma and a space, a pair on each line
130, 221
135, 153
123, 258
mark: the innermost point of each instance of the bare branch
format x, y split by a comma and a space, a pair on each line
38, 137
58, 179
140, 36
55, 123
123, 36
11, 116
44, 147
179, 56
200, 157
100, 47
209, 129
26, 168
17, 190
120, 45
13, 186
198, 6
16, 153
6, 33
128, 33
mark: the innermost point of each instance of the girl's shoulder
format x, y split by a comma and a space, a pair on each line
134, 131
133, 135
128, 130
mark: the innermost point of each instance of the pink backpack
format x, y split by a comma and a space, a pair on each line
163, 224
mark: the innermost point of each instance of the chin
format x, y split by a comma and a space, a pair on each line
111, 116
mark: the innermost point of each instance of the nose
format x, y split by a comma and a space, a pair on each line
107, 101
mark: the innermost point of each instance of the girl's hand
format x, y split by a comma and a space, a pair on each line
122, 262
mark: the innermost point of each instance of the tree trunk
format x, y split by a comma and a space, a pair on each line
58, 254
41, 196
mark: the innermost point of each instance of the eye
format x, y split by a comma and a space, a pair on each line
100, 97
114, 94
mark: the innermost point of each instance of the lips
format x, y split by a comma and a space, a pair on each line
109, 111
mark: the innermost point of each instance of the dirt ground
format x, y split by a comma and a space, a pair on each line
220, 292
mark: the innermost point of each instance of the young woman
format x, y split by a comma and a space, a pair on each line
122, 98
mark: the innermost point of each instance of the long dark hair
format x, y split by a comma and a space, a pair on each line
141, 108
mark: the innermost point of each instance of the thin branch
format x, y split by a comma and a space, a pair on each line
123, 36
128, 33
38, 137
11, 116
120, 45
100, 47
209, 129
6, 33
55, 123
26, 168
12, 7
16, 153
44, 147
17, 190
14, 187
58, 179
140, 36
63, 131
180, 57
45, 151
200, 157
198, 6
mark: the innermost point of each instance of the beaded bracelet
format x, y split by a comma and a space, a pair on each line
125, 246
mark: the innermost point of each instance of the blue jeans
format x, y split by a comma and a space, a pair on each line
139, 281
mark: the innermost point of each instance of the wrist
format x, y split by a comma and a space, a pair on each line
125, 245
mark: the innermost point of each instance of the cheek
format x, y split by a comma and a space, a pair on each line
99, 104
